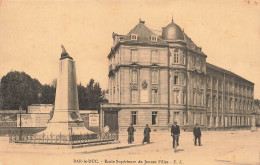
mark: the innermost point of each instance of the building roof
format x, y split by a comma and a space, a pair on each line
216, 68
143, 33
172, 32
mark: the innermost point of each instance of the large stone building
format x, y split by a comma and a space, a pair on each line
157, 79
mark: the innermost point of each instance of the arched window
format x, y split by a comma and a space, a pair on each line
133, 36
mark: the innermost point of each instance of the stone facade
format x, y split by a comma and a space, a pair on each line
156, 80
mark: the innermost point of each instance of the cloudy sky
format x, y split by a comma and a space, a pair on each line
31, 33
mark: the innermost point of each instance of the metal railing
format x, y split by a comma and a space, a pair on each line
60, 139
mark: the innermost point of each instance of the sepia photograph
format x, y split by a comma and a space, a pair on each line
129, 82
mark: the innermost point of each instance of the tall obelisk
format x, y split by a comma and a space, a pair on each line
66, 118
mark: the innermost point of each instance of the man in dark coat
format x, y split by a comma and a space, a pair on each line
175, 133
147, 131
130, 131
197, 134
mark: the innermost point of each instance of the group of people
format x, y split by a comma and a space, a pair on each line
175, 133
131, 131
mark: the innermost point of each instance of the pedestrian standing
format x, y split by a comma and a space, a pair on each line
147, 131
175, 133
130, 131
197, 134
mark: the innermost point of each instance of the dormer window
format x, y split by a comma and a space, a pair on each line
133, 37
154, 38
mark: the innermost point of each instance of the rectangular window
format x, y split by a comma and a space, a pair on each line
154, 96
207, 101
134, 77
183, 97
183, 79
214, 83
154, 58
176, 58
220, 102
201, 64
214, 102
194, 117
134, 117
194, 97
154, 118
199, 98
202, 98
155, 75
154, 38
201, 118
134, 94
176, 80
231, 104
194, 62
209, 82
134, 55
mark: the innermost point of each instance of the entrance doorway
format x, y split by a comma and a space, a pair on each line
111, 120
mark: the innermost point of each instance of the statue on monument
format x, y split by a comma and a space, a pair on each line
64, 53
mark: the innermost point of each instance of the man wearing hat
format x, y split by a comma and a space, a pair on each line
197, 134
130, 131
175, 133
147, 131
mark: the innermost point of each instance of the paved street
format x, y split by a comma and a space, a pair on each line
223, 147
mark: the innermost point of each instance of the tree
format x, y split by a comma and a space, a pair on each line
47, 94
82, 97
18, 88
91, 96
1, 99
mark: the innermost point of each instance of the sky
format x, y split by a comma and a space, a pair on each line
31, 33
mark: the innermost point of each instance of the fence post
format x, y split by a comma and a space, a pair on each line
10, 138
71, 136
51, 137
9, 130
60, 137
43, 137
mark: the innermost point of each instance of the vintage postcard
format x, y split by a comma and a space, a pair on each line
129, 82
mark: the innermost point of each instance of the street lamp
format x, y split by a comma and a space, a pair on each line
20, 111
39, 97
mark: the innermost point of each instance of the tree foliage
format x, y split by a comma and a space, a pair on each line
90, 96
18, 88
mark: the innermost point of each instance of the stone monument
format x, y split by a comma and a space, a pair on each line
66, 119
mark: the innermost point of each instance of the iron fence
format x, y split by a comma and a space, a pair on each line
60, 139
